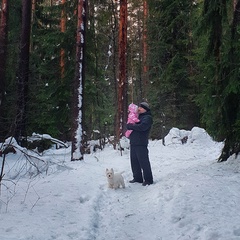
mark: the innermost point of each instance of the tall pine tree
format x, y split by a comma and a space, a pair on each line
219, 74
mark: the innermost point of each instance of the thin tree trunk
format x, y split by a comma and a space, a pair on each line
32, 21
122, 81
145, 67
23, 71
234, 4
77, 132
114, 65
3, 48
63, 29
3, 60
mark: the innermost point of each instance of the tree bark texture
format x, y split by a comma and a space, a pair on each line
77, 148
122, 81
234, 4
145, 66
63, 29
23, 71
3, 47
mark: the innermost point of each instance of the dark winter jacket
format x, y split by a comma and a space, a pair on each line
140, 133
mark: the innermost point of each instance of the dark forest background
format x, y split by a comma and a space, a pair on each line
182, 57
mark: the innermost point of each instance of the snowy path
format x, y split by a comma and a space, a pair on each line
182, 204
193, 197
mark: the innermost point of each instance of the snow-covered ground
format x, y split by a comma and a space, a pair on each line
193, 196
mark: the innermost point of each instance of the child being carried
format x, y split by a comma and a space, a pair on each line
132, 117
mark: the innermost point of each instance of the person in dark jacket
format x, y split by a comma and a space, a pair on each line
140, 164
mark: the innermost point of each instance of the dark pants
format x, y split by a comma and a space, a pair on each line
140, 164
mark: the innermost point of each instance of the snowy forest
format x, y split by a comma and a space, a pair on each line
70, 68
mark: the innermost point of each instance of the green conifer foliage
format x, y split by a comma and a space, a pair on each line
9, 107
50, 95
171, 66
219, 74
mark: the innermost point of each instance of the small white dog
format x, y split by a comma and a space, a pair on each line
115, 180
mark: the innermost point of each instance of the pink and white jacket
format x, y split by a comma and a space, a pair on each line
132, 117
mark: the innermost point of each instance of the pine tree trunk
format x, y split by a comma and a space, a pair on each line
63, 29
3, 59
122, 81
3, 48
234, 4
145, 67
23, 71
114, 64
232, 101
77, 109
32, 22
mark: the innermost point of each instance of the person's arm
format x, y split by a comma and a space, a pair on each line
143, 125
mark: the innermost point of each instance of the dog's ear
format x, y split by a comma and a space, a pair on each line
106, 169
112, 169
